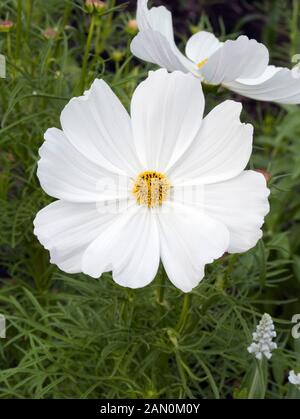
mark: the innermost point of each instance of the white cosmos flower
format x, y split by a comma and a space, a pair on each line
100, 168
240, 65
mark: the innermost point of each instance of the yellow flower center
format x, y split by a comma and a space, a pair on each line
202, 63
151, 189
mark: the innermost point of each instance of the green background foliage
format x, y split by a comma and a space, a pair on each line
74, 336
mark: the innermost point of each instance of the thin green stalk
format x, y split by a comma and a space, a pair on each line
294, 27
98, 37
19, 28
184, 313
161, 286
65, 20
67, 13
104, 31
254, 385
87, 52
258, 387
8, 44
29, 8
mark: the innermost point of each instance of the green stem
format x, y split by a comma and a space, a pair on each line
9, 45
98, 38
254, 384
294, 27
184, 313
87, 52
161, 286
19, 28
105, 30
29, 8
67, 13
257, 389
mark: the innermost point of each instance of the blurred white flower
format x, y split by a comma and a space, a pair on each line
263, 344
120, 184
240, 65
294, 378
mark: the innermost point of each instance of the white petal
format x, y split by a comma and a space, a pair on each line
277, 84
294, 378
130, 248
65, 173
166, 112
155, 41
153, 47
242, 58
66, 229
269, 72
189, 239
99, 127
240, 204
220, 151
201, 46
157, 18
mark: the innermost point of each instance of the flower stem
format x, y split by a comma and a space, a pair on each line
9, 45
258, 386
19, 28
67, 12
184, 313
29, 9
161, 286
86, 53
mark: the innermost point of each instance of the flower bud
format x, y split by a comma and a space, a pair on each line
117, 55
50, 33
132, 27
266, 174
6, 25
95, 6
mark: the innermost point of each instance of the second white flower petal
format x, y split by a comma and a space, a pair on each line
276, 84
201, 46
243, 57
155, 41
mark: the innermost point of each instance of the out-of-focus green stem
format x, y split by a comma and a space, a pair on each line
8, 44
161, 286
87, 52
103, 30
98, 37
184, 313
258, 387
294, 27
67, 12
19, 28
29, 8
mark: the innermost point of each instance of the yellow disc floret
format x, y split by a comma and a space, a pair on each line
151, 189
202, 63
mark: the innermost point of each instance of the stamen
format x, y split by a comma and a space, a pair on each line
202, 63
151, 189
